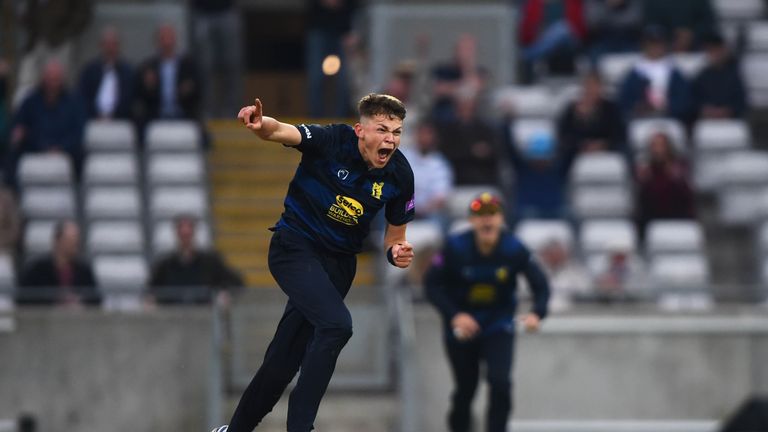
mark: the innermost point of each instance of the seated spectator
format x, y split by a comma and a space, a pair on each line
541, 177
592, 122
664, 190
433, 175
718, 90
461, 78
107, 82
10, 221
61, 277
687, 21
613, 26
551, 30
567, 277
50, 119
654, 86
169, 83
619, 275
471, 146
191, 273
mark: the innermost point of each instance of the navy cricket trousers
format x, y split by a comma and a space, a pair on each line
312, 331
497, 351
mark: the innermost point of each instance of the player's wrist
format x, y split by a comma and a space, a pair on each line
390, 256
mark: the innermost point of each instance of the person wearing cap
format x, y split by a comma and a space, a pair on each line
473, 284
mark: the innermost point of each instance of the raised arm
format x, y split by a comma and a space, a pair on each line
268, 128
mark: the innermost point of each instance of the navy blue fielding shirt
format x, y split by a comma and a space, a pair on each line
461, 279
333, 196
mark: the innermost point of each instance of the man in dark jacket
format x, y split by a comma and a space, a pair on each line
61, 277
718, 90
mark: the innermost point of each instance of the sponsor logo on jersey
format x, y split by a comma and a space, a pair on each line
346, 210
306, 131
376, 189
482, 294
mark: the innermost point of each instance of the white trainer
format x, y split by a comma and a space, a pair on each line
221, 429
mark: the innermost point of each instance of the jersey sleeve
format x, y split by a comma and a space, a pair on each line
401, 210
317, 139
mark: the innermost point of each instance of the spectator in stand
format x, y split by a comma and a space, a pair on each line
216, 26
471, 146
50, 119
541, 176
169, 83
330, 27
567, 277
107, 82
619, 274
52, 29
189, 269
654, 86
592, 122
61, 277
10, 221
687, 21
664, 189
613, 26
718, 90
460, 78
551, 30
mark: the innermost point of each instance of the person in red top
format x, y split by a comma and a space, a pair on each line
550, 27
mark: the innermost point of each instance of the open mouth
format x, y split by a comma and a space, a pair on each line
383, 154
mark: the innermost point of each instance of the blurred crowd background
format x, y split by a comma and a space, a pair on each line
627, 136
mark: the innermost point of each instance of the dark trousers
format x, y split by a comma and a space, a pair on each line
314, 328
496, 350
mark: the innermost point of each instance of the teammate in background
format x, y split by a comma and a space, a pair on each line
346, 175
473, 285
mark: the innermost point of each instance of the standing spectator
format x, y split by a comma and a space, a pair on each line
686, 20
613, 26
591, 122
473, 284
718, 90
217, 35
51, 28
541, 176
568, 278
471, 146
460, 78
330, 24
654, 86
169, 83
664, 188
10, 221
550, 30
51, 119
107, 82
61, 277
188, 268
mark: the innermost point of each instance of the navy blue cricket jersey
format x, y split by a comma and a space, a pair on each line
333, 196
461, 279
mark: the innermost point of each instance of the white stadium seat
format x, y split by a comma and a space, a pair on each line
614, 67
739, 10
641, 130
601, 202
110, 168
38, 237
7, 281
115, 237
170, 168
122, 280
604, 235
757, 36
527, 101
754, 68
167, 202
603, 168
112, 135
173, 135
742, 183
674, 236
48, 202
714, 140
680, 272
114, 202
537, 233
45, 169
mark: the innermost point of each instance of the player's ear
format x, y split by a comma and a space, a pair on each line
359, 130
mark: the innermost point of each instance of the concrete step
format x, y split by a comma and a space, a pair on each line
249, 176
275, 191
